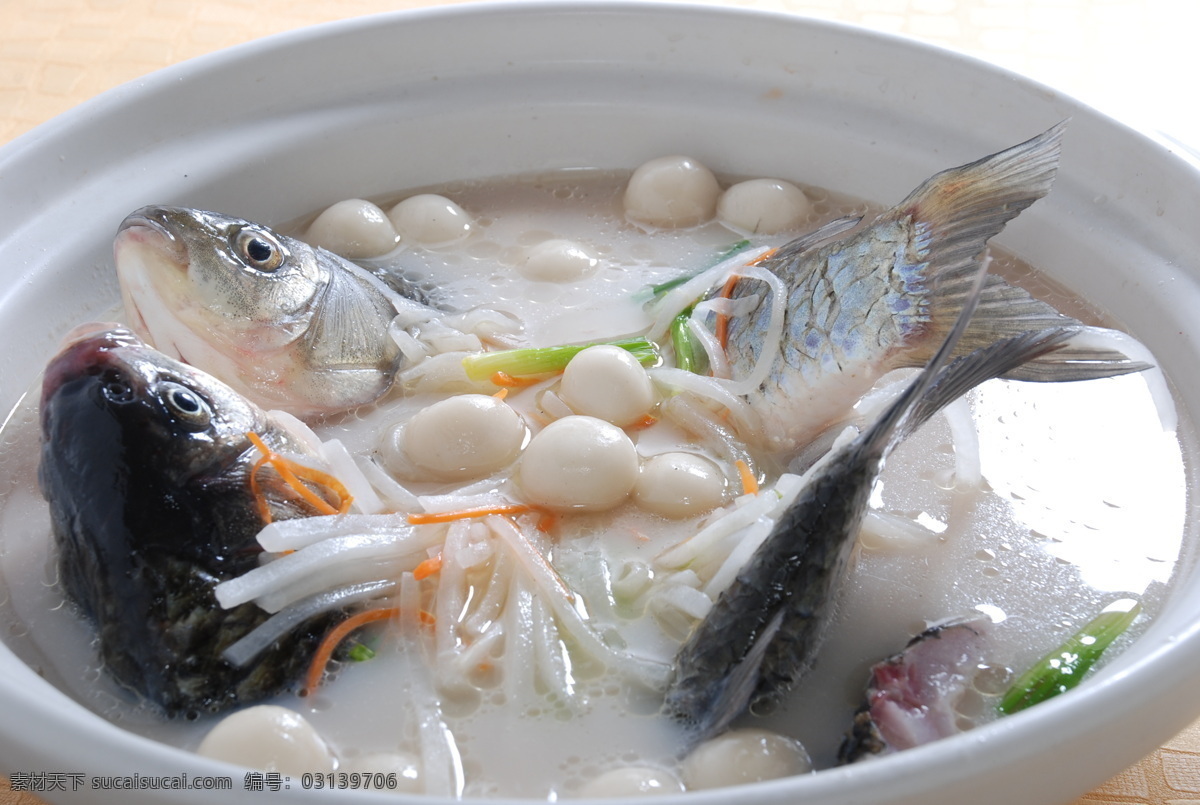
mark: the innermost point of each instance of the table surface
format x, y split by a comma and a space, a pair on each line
1133, 59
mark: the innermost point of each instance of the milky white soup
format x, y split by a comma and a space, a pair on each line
1036, 504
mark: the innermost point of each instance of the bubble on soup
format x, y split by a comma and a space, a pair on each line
632, 781
607, 382
672, 191
580, 463
430, 220
463, 437
763, 207
557, 260
678, 484
354, 228
270, 738
744, 756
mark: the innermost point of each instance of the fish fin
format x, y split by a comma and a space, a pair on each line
822, 234
1004, 311
957, 211
740, 685
350, 323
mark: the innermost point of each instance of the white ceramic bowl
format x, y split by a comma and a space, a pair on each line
277, 128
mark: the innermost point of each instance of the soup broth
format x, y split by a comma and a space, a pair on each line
1081, 500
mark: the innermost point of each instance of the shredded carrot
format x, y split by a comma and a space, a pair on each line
749, 482
504, 379
762, 258
294, 474
337, 634
721, 325
501, 394
428, 567
644, 422
334, 639
547, 521
424, 518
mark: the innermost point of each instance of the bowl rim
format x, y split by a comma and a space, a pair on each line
1121, 693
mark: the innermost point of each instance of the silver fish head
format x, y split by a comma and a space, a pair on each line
288, 325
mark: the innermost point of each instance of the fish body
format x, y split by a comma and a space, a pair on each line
884, 297
765, 629
911, 696
145, 465
290, 326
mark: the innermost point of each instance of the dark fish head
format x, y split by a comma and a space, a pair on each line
288, 325
145, 465
107, 399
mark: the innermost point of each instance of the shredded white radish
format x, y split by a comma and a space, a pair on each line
772, 337
968, 467
718, 361
390, 491
292, 535
745, 419
886, 531
284, 621
342, 466
1135, 350
684, 296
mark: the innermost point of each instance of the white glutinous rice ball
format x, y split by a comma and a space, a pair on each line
744, 756
402, 767
430, 220
580, 463
557, 260
607, 382
763, 207
631, 781
463, 437
674, 191
679, 485
270, 738
353, 228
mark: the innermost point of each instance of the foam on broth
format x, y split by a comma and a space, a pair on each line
1083, 502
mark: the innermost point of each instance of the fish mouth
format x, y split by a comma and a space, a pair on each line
156, 227
83, 350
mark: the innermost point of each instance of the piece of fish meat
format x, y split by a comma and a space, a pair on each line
292, 327
885, 296
145, 465
911, 696
765, 629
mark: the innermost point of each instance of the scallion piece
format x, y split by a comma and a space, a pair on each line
687, 356
547, 360
360, 653
656, 291
1064, 668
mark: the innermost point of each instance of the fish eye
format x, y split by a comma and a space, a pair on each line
185, 405
259, 250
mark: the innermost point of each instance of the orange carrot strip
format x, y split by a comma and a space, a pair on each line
645, 422
428, 567
423, 518
501, 394
291, 473
505, 379
547, 521
762, 258
749, 482
260, 500
721, 326
335, 637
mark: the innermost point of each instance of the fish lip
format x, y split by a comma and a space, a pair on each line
158, 221
87, 345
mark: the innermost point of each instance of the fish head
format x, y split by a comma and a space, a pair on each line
288, 325
224, 277
115, 411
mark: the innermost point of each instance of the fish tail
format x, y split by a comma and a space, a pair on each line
956, 212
